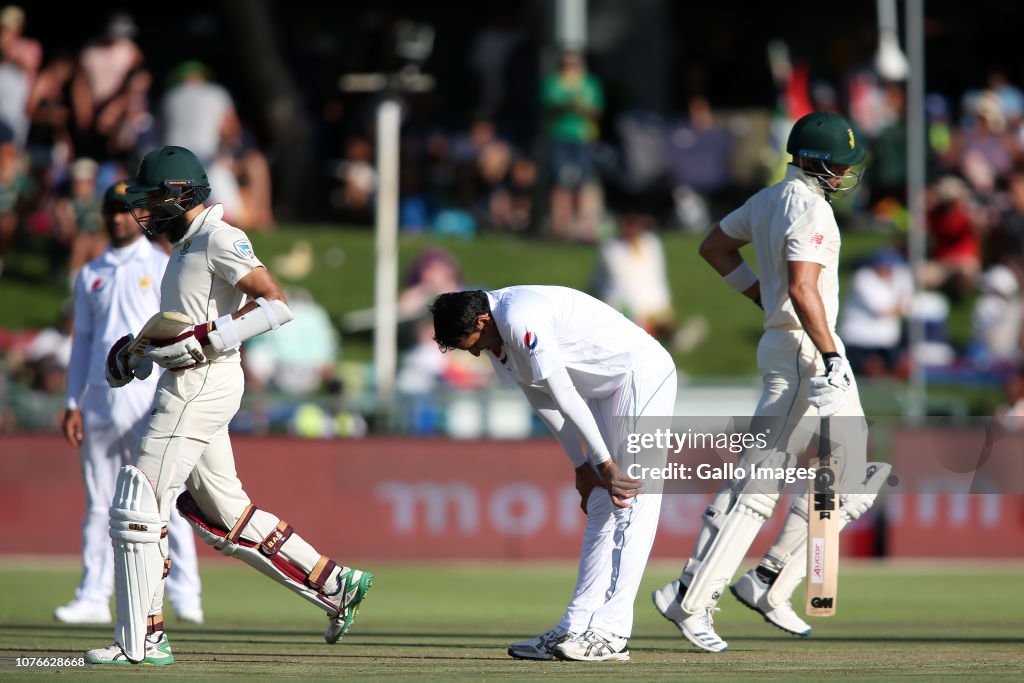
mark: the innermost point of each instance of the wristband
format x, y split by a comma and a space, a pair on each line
829, 356
742, 278
202, 333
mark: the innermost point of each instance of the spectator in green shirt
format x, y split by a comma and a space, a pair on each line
573, 100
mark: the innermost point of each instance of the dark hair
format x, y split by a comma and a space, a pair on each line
455, 315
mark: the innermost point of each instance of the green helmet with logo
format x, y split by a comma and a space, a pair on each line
827, 137
118, 198
172, 180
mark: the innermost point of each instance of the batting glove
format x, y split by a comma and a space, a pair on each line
122, 367
828, 393
180, 353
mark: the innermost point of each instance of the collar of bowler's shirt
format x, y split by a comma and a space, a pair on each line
121, 255
794, 172
493, 299
214, 213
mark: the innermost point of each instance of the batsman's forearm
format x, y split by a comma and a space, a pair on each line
811, 311
229, 331
723, 261
723, 254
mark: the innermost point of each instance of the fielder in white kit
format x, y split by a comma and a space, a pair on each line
796, 240
591, 375
215, 278
117, 291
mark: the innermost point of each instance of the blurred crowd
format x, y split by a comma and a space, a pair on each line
541, 154
71, 124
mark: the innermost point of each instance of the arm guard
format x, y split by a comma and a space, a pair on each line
229, 333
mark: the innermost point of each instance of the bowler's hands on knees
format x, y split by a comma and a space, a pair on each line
586, 481
620, 486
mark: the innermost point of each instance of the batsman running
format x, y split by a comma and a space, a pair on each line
213, 277
804, 373
118, 290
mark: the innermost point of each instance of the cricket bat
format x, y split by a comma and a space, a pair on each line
161, 326
823, 532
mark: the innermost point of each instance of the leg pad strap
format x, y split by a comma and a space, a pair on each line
264, 555
724, 549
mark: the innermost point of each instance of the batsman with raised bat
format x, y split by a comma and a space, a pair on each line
804, 373
214, 278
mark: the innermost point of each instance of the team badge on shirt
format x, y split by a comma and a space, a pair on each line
244, 249
185, 246
530, 340
145, 282
96, 284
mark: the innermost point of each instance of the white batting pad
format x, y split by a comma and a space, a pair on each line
736, 528
135, 529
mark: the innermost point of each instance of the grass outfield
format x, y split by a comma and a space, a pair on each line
929, 621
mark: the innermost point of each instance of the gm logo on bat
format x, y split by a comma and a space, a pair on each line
822, 603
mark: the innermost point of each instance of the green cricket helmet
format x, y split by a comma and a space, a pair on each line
118, 198
827, 140
172, 180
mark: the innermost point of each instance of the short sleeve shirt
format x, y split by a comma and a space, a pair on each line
789, 221
571, 126
203, 269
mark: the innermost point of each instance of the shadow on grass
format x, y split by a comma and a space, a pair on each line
207, 634
248, 657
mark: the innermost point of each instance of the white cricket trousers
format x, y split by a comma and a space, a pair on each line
114, 420
788, 360
617, 541
186, 442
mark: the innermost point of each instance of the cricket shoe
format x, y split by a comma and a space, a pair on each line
158, 653
348, 596
542, 647
83, 612
753, 592
595, 645
697, 628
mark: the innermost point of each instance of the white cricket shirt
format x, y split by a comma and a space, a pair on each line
115, 293
790, 221
546, 328
203, 269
